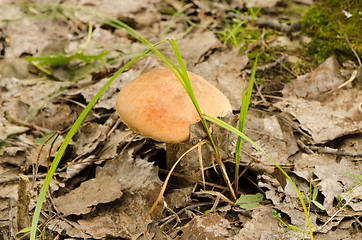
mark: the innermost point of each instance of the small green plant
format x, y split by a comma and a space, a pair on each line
357, 177
62, 59
178, 14
358, 180
236, 30
249, 201
243, 111
288, 227
313, 199
253, 12
232, 32
299, 68
313, 193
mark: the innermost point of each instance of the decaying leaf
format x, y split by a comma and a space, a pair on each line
310, 86
207, 226
340, 113
334, 182
90, 135
262, 225
132, 186
222, 69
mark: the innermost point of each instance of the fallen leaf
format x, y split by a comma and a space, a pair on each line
122, 174
340, 114
207, 226
333, 182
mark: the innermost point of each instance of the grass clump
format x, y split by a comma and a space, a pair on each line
237, 29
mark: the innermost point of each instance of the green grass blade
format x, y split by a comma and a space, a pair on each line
185, 78
187, 85
67, 139
243, 111
236, 131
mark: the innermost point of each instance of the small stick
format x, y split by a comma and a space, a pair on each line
16, 178
167, 220
35, 167
337, 152
273, 23
260, 93
349, 43
11, 225
269, 65
331, 218
353, 77
194, 180
304, 147
23, 202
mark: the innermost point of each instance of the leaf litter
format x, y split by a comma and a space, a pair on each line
110, 177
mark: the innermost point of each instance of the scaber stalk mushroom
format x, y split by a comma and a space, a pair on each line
157, 106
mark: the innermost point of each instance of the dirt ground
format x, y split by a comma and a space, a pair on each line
305, 113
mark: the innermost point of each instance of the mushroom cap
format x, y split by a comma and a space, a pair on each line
157, 106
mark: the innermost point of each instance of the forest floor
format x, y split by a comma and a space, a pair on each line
305, 113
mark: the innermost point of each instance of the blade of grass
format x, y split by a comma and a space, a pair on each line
234, 130
243, 111
190, 92
69, 136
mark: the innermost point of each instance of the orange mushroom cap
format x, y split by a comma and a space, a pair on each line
157, 106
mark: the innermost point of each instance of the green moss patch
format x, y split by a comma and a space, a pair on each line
321, 22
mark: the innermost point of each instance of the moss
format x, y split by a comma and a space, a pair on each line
320, 22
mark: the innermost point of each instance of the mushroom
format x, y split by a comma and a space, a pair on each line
157, 106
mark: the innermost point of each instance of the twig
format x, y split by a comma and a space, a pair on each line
358, 221
330, 219
216, 194
256, 185
179, 175
11, 225
172, 217
23, 203
274, 23
29, 125
260, 93
337, 152
295, 127
304, 147
349, 43
267, 66
35, 168
16, 178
